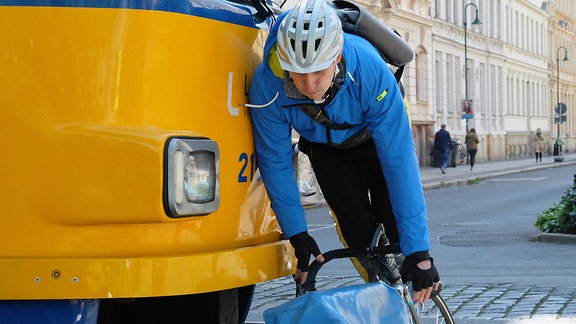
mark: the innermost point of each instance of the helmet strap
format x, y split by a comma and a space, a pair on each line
337, 81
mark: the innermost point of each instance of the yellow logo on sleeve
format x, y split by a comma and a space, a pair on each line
382, 95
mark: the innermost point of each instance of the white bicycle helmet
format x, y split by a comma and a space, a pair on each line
310, 37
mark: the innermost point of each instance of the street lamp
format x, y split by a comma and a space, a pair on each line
466, 102
558, 146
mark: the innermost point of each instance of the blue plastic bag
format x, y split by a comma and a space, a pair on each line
365, 303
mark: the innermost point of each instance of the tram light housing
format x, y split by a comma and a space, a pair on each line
192, 177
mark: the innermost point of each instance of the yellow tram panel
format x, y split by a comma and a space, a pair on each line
90, 98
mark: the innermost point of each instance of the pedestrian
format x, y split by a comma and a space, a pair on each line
442, 145
472, 141
359, 142
539, 145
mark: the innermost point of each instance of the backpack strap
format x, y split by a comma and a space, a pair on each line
398, 73
318, 115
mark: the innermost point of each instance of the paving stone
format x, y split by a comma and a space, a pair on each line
481, 302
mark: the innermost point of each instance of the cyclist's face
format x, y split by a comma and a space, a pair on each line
315, 84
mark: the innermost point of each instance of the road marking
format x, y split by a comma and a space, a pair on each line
320, 227
468, 224
520, 179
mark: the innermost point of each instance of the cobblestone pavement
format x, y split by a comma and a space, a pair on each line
538, 303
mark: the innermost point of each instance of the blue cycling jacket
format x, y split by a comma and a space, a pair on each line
370, 97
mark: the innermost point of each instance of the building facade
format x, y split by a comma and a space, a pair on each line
505, 67
505, 75
562, 69
526, 43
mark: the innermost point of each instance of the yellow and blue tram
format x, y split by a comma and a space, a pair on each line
129, 191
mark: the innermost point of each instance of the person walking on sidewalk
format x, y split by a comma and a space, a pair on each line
472, 141
362, 148
442, 145
539, 145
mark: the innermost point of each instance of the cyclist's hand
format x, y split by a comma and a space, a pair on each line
304, 245
419, 268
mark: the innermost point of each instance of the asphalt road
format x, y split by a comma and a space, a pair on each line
481, 233
481, 245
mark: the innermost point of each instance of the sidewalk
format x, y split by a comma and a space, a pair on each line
432, 178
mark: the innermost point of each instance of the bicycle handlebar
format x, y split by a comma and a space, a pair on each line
310, 283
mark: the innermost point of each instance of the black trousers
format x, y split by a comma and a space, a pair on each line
472, 154
354, 188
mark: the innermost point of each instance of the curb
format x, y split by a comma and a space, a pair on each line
468, 180
465, 181
554, 238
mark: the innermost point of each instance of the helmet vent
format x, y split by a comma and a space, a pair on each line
317, 44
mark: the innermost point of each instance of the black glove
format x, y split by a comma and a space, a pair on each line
421, 279
304, 245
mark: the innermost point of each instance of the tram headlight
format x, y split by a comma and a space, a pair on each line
191, 182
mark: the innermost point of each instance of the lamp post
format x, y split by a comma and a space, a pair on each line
558, 146
466, 102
